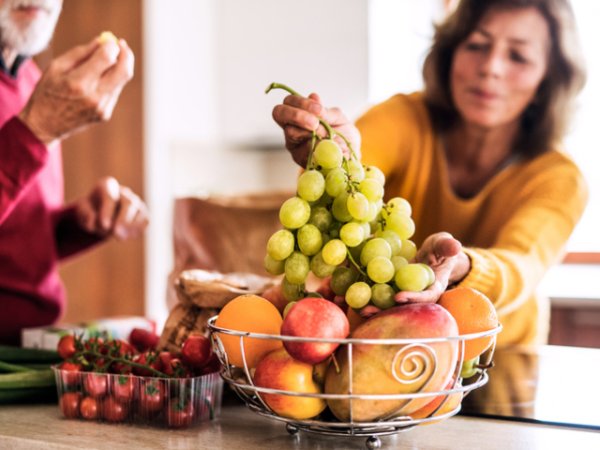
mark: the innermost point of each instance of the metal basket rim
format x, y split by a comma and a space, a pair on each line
390, 341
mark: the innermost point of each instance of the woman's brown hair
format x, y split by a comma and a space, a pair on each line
546, 119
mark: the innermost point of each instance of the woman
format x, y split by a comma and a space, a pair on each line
477, 154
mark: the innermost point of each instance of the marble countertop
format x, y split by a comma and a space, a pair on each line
42, 426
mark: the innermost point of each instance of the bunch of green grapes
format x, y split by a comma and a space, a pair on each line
338, 225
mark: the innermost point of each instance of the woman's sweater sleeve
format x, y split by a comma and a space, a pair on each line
531, 240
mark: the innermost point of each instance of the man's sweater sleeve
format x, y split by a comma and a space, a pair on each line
22, 156
70, 237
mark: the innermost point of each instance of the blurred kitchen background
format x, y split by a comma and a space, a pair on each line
195, 120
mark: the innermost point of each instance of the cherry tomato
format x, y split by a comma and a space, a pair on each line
114, 410
70, 374
69, 404
148, 359
89, 408
95, 385
143, 340
180, 413
152, 396
196, 351
66, 346
213, 365
124, 387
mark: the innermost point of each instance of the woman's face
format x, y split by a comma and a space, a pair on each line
496, 71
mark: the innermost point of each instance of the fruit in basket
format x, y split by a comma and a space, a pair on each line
89, 408
448, 403
254, 314
318, 318
114, 410
394, 369
69, 404
474, 313
469, 368
278, 370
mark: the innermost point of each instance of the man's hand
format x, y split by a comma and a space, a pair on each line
80, 87
299, 117
112, 210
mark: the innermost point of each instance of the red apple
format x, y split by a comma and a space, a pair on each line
278, 370
318, 318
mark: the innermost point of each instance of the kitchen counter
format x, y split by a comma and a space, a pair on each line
41, 426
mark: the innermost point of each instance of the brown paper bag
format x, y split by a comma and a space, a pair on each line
225, 237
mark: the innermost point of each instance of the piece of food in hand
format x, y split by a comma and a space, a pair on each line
107, 36
316, 318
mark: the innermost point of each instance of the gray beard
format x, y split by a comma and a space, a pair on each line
32, 39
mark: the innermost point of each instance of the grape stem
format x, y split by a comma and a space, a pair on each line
330, 131
354, 263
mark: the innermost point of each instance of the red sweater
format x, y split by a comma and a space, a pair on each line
36, 230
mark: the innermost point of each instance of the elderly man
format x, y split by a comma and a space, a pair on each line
37, 111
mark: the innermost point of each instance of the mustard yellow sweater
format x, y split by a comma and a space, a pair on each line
513, 230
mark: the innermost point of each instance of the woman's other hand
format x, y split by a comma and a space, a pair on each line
111, 209
450, 264
299, 118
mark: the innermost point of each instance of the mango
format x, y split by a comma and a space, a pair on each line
384, 369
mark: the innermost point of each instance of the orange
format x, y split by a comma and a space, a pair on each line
254, 314
474, 313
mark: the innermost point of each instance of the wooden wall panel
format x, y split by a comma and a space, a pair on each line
109, 280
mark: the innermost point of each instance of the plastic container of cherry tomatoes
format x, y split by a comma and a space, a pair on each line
132, 399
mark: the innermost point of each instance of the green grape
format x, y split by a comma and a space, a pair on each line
325, 238
401, 224
336, 182
372, 189
375, 173
352, 234
287, 308
400, 205
342, 278
374, 209
319, 267
328, 154
309, 239
339, 208
325, 200
408, 249
356, 171
373, 248
311, 185
273, 266
358, 206
280, 245
393, 239
294, 213
430, 272
382, 295
380, 269
411, 277
297, 266
469, 368
291, 292
366, 226
358, 295
320, 217
398, 261
334, 252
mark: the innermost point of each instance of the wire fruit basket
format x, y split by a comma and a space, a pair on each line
411, 358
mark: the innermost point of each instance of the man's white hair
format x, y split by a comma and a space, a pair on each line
31, 37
